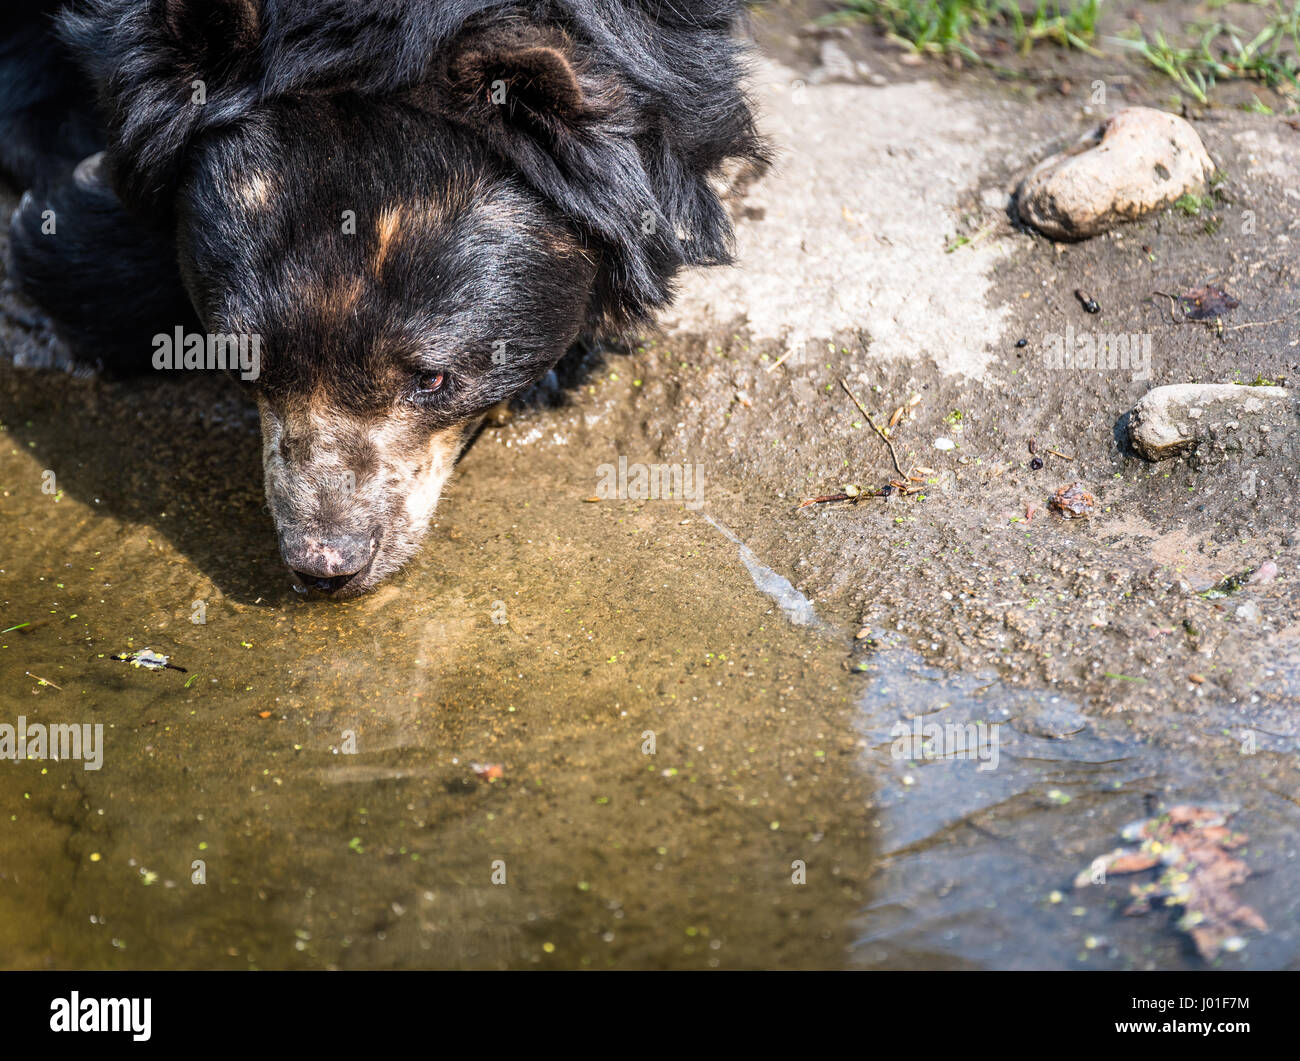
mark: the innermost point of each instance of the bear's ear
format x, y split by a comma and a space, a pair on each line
211, 32
519, 75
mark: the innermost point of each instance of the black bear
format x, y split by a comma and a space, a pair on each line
412, 207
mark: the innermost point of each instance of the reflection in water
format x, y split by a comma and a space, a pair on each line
301, 796
797, 608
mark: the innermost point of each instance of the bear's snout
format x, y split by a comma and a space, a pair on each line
327, 563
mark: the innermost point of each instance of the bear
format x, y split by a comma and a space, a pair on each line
412, 209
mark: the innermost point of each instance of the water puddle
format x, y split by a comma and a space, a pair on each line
991, 799
670, 747
572, 735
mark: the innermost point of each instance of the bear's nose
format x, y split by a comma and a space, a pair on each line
327, 563
323, 585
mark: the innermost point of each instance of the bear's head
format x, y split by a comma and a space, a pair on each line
410, 211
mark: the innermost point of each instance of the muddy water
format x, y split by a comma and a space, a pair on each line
347, 828
681, 736
976, 855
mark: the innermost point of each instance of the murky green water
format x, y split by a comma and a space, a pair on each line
541, 632
312, 763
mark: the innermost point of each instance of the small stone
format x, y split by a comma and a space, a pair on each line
1170, 421
1140, 160
1073, 501
835, 66
1264, 574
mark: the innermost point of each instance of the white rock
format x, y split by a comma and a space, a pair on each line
1140, 160
1169, 421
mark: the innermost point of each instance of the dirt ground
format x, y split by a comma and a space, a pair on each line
879, 250
848, 267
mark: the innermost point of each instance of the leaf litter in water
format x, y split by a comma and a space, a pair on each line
1206, 303
1191, 846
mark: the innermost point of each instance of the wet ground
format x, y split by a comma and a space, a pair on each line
315, 760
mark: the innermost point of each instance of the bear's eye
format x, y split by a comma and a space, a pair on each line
429, 383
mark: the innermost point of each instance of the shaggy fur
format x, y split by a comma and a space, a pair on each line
517, 174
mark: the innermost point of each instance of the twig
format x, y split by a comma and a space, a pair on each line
855, 498
1261, 324
1173, 309
1216, 324
883, 437
822, 499
43, 681
1058, 453
773, 365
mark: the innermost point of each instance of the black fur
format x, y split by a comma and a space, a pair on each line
47, 119
519, 174
664, 76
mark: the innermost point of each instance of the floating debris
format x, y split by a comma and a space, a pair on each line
1073, 501
148, 659
1191, 845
